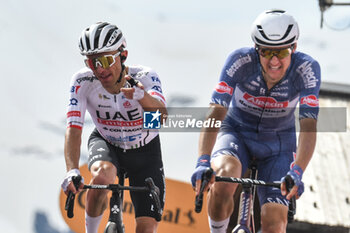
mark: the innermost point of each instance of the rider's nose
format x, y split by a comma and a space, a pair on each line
99, 70
274, 60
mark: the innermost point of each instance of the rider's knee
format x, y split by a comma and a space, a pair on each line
222, 189
146, 225
227, 165
274, 218
103, 172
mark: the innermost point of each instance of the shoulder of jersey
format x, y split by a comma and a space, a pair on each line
302, 57
241, 52
147, 76
84, 75
140, 72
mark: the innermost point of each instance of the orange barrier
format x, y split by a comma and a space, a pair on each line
178, 216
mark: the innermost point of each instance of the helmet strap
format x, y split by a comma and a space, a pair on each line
121, 74
122, 60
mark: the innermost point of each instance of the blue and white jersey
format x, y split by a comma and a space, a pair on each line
243, 90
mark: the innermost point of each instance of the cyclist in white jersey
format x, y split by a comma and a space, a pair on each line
256, 97
116, 96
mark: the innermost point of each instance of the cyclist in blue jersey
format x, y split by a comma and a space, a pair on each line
116, 97
256, 97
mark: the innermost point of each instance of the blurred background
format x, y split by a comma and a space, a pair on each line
186, 42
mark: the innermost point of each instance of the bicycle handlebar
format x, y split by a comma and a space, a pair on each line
149, 187
245, 181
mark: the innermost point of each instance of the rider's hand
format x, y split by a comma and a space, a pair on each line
202, 164
136, 92
296, 173
67, 184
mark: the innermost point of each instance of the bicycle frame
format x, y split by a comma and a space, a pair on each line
245, 223
115, 220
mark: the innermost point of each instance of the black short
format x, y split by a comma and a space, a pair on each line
138, 163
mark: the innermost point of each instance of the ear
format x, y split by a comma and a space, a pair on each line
294, 47
123, 55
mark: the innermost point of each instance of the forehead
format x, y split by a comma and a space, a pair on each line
101, 54
274, 48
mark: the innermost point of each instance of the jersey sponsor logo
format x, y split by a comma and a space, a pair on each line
220, 102
310, 100
248, 86
73, 102
103, 97
276, 94
74, 114
124, 139
265, 102
139, 74
223, 87
157, 88
130, 115
277, 200
75, 89
308, 75
127, 104
155, 79
255, 83
284, 82
104, 106
284, 88
127, 130
262, 91
237, 64
120, 123
91, 79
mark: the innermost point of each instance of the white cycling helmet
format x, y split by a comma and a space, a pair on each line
275, 28
101, 37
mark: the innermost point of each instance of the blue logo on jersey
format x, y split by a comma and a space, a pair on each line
151, 120
155, 79
157, 88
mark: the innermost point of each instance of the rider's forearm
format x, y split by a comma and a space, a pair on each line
151, 104
207, 136
306, 142
72, 147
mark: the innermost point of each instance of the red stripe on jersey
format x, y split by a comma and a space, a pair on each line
153, 93
75, 126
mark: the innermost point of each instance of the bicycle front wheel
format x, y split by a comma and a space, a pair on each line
112, 227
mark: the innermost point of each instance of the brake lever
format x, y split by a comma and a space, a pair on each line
292, 202
206, 176
69, 207
154, 190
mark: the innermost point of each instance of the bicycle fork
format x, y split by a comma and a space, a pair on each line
245, 222
115, 221
245, 210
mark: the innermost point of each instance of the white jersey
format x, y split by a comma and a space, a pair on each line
119, 120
